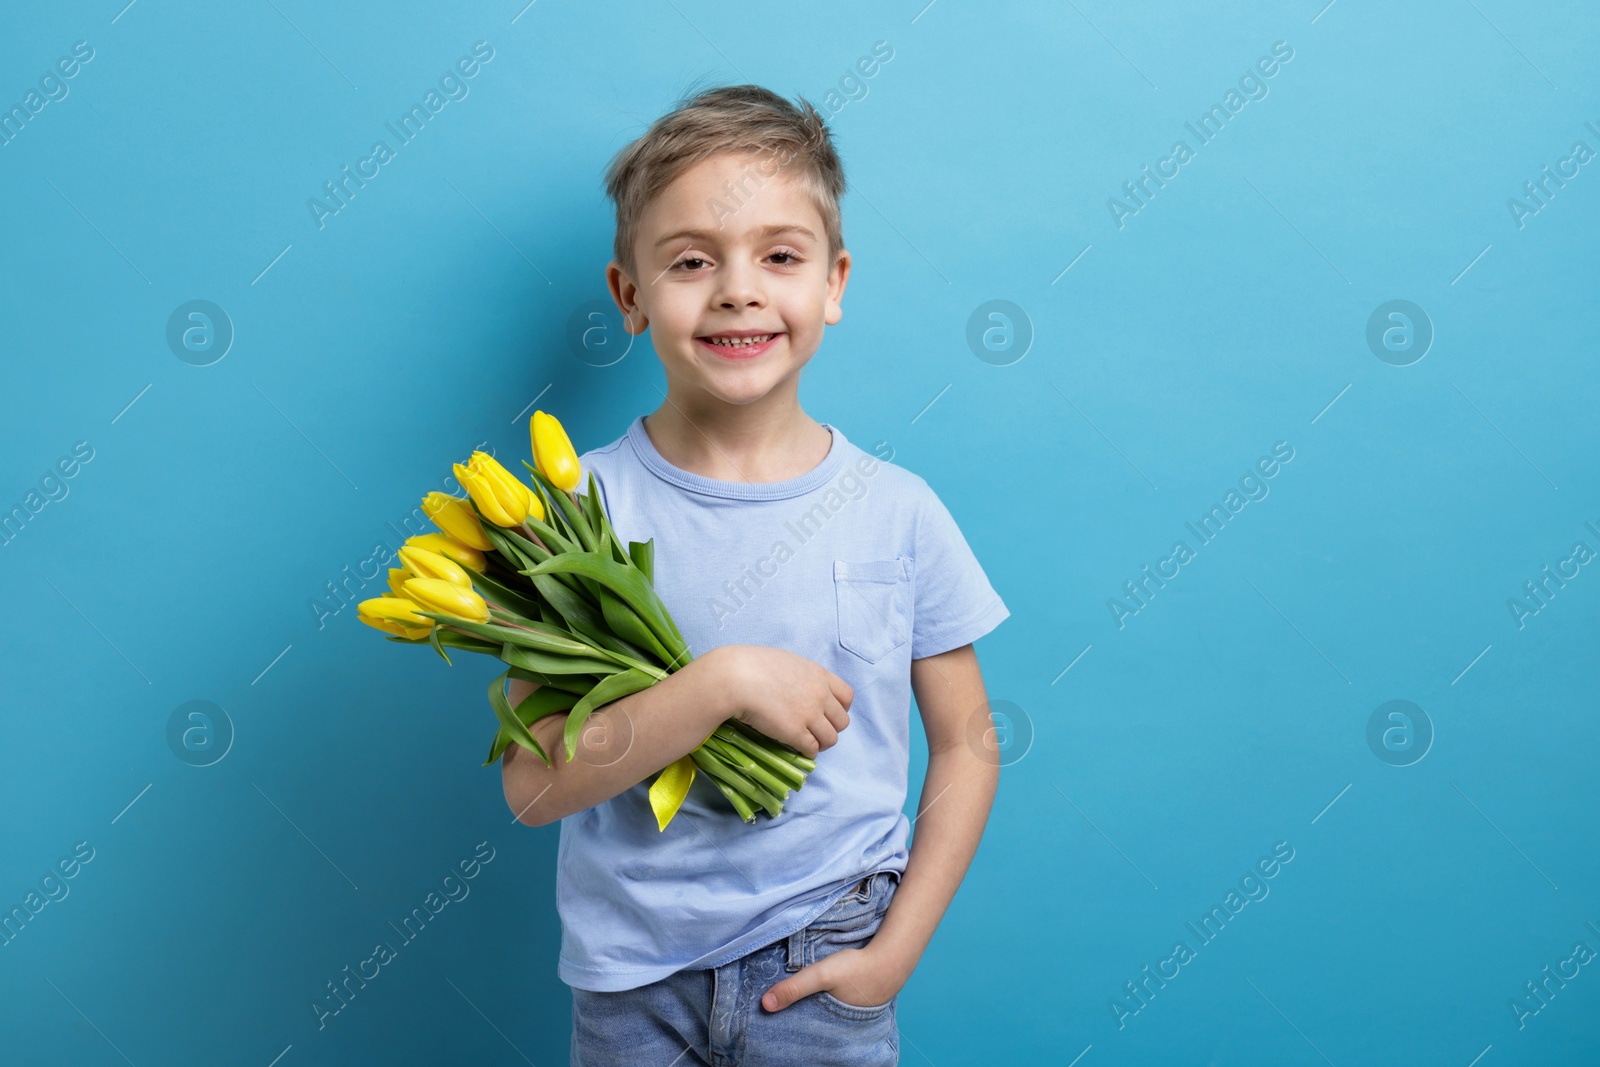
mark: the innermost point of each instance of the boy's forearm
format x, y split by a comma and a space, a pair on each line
622, 744
957, 795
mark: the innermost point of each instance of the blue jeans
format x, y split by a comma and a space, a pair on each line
714, 1017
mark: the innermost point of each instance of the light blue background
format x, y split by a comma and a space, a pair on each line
1230, 313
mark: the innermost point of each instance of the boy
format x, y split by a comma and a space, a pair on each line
816, 585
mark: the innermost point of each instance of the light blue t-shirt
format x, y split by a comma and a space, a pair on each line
856, 565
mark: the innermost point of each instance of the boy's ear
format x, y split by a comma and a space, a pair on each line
838, 275
626, 295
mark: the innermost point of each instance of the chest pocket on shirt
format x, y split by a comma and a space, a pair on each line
874, 601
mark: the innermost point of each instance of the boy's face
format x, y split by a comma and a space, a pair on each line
732, 247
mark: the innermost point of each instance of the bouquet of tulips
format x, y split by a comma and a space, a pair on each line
536, 577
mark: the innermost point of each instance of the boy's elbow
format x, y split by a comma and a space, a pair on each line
528, 785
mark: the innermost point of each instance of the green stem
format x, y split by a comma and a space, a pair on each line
742, 761
763, 755
740, 804
782, 751
714, 766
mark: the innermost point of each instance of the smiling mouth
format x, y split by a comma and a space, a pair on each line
736, 341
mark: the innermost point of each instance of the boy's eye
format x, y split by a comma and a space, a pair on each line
694, 264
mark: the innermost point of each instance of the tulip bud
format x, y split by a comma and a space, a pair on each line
397, 580
450, 548
455, 517
425, 564
553, 454
394, 615
482, 494
499, 495
446, 598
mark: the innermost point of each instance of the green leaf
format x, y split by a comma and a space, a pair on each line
539, 704
643, 554
501, 740
545, 663
626, 623
630, 585
528, 546
505, 596
504, 546
615, 549
433, 639
516, 552
579, 585
576, 684
581, 615
554, 519
611, 544
613, 688
583, 620
541, 638
508, 721
592, 511
558, 541
451, 639
585, 533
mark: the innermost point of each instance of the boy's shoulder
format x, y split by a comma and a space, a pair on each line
607, 449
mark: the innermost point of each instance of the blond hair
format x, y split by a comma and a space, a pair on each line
733, 118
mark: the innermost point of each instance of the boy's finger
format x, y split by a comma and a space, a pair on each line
802, 984
836, 714
843, 692
825, 734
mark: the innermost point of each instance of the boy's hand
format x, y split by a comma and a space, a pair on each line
853, 975
789, 698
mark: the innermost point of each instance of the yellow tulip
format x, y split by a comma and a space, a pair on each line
397, 580
425, 564
499, 495
455, 517
668, 791
508, 485
483, 496
394, 615
447, 598
553, 453
448, 546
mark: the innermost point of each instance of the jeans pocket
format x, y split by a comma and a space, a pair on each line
855, 1012
852, 923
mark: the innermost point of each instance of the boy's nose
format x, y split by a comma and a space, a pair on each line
740, 287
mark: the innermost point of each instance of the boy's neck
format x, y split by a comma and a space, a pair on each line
757, 442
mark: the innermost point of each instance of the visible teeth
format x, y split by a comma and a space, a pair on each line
739, 342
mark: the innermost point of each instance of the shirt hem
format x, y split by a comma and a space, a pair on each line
567, 972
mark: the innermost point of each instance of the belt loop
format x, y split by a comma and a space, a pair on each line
795, 951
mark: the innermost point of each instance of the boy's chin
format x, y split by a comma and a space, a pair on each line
735, 384
742, 394
735, 387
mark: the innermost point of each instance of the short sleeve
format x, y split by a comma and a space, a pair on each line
953, 603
